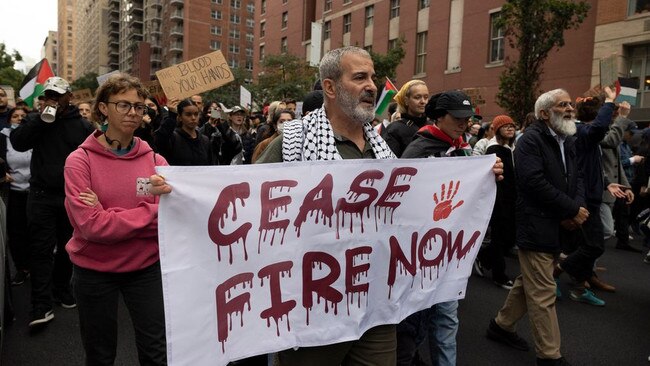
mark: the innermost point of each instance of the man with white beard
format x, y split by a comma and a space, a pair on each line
550, 195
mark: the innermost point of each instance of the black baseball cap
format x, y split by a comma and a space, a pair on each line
454, 102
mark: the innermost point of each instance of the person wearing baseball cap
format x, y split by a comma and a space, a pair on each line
450, 111
48, 224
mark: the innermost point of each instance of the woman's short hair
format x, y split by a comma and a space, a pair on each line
116, 84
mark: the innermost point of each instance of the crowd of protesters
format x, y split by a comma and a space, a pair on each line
570, 176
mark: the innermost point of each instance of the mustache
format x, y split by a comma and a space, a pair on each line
368, 96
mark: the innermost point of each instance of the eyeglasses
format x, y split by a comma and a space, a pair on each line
565, 104
125, 107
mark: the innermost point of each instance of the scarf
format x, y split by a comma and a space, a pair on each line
312, 138
457, 144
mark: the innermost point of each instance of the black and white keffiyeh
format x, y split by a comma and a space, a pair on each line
312, 138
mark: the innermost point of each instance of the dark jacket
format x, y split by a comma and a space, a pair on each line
425, 145
178, 148
588, 138
546, 195
225, 143
401, 132
52, 143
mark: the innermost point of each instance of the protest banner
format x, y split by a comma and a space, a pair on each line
245, 98
476, 96
83, 95
156, 91
101, 79
11, 97
262, 258
195, 76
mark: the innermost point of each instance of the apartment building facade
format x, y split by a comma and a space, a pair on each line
66, 39
50, 50
449, 44
623, 30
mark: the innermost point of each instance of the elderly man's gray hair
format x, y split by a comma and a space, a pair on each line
330, 65
546, 101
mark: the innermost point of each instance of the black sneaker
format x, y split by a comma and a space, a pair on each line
496, 333
552, 362
65, 299
41, 316
505, 284
19, 278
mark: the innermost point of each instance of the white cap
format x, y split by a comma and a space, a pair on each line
57, 84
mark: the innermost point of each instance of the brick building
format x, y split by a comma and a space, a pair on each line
449, 44
66, 43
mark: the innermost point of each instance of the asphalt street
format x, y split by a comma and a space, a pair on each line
617, 334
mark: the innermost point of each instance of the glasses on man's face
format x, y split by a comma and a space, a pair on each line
565, 104
125, 107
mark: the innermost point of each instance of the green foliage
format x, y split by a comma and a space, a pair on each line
87, 81
283, 76
534, 28
229, 93
8, 75
386, 64
12, 77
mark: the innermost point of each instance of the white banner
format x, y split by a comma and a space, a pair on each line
257, 259
245, 98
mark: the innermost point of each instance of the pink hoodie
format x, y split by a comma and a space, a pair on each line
119, 234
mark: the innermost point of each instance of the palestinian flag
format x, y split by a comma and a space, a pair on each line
626, 89
32, 85
386, 97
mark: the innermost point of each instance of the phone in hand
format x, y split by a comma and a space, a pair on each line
216, 114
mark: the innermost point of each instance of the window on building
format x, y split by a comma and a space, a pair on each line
263, 7
347, 23
250, 37
233, 48
217, 2
392, 44
235, 19
234, 34
394, 9
216, 14
216, 30
370, 15
638, 7
327, 30
250, 8
420, 52
496, 40
423, 4
249, 51
250, 23
233, 63
235, 4
328, 5
261, 52
249, 64
284, 45
215, 45
285, 19
346, 1
262, 29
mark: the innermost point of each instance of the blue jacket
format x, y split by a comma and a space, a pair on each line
588, 138
546, 194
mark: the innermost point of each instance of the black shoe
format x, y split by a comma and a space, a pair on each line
19, 278
552, 362
40, 315
65, 299
496, 333
628, 248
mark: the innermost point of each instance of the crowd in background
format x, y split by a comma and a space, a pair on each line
59, 188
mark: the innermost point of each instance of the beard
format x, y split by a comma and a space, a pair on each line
351, 105
562, 126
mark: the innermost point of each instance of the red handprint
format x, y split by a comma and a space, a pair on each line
443, 205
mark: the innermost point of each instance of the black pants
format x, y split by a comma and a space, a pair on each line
621, 214
591, 245
97, 295
17, 229
49, 228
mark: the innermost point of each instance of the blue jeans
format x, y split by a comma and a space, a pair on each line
97, 296
440, 322
443, 326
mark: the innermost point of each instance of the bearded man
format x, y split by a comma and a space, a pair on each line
550, 194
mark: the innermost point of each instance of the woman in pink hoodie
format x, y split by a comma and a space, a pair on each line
114, 247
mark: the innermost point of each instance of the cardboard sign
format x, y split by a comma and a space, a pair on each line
11, 97
266, 257
608, 71
475, 95
156, 91
83, 95
195, 76
245, 98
